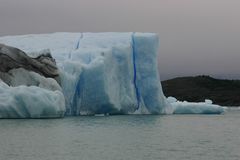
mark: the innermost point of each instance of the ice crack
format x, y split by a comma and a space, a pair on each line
78, 42
135, 71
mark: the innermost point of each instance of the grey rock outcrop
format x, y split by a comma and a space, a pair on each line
12, 59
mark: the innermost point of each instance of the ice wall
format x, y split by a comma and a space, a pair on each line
105, 73
147, 82
101, 73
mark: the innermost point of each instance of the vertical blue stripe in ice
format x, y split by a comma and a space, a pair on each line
147, 80
135, 72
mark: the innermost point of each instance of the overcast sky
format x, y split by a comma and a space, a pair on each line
196, 36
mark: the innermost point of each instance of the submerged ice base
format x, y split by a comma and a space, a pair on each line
102, 73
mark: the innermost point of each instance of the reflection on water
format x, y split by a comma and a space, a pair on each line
214, 137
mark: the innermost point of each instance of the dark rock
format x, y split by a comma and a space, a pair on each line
13, 58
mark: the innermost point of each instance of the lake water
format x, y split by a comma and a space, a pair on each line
173, 137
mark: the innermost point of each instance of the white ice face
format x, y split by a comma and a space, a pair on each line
30, 102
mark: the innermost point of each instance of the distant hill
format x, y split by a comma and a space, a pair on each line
199, 88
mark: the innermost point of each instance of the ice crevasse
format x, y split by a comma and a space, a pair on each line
100, 73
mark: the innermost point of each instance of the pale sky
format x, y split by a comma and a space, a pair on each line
196, 36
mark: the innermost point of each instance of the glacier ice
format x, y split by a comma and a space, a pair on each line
28, 85
102, 73
20, 76
113, 73
179, 107
148, 86
30, 102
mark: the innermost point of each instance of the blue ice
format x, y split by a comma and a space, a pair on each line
104, 73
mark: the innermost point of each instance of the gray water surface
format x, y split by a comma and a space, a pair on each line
173, 137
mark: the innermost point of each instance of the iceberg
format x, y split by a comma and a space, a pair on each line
102, 73
98, 73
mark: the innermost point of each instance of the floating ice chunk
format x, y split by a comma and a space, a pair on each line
179, 107
208, 101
